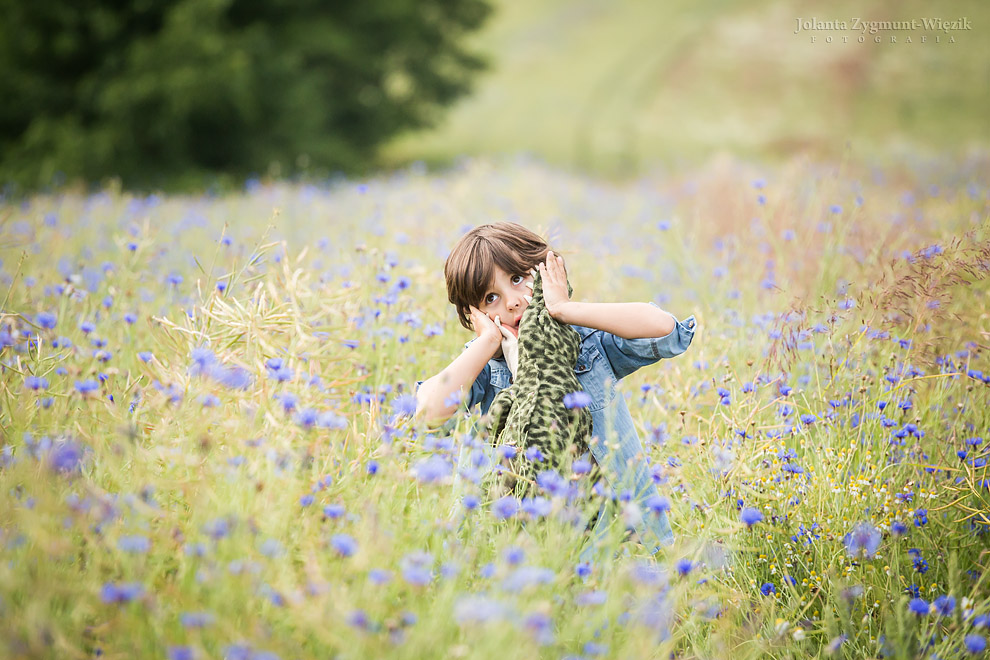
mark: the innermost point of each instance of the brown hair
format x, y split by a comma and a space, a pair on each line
470, 267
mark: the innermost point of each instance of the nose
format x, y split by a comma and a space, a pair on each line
514, 303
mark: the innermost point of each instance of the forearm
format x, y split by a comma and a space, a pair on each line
632, 320
434, 395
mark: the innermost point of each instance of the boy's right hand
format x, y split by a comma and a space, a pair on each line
486, 329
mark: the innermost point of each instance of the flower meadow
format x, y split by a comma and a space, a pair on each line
209, 447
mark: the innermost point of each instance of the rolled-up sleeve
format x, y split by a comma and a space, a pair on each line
479, 387
628, 355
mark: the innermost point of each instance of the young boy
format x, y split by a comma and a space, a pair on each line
489, 282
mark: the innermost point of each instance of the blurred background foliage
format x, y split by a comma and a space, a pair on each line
616, 87
156, 91
160, 93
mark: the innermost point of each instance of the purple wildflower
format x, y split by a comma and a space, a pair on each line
750, 516
505, 507
579, 399
343, 544
863, 539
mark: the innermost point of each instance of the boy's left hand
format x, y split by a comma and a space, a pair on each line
554, 284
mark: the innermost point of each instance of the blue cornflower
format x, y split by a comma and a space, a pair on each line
534, 454
235, 378
288, 401
181, 653
750, 516
306, 500
921, 517
307, 417
121, 593
343, 544
864, 539
684, 566
944, 605
36, 383
404, 405
334, 511
505, 451
581, 466
579, 399
768, 588
514, 555
505, 507
380, 576
282, 374
433, 469
537, 507
331, 420
975, 643
471, 501
203, 360
86, 386
919, 606
136, 544
359, 619
46, 320
417, 568
657, 504
835, 209
807, 418
217, 528
897, 528
552, 483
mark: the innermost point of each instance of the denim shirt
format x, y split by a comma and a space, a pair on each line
604, 359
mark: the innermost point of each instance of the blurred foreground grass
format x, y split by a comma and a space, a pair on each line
204, 452
616, 87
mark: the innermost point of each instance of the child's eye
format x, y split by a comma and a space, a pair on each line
490, 298
517, 279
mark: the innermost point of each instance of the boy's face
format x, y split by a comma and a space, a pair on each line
505, 298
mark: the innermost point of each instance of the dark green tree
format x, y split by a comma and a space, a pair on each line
149, 90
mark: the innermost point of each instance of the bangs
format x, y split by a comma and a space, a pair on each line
480, 271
